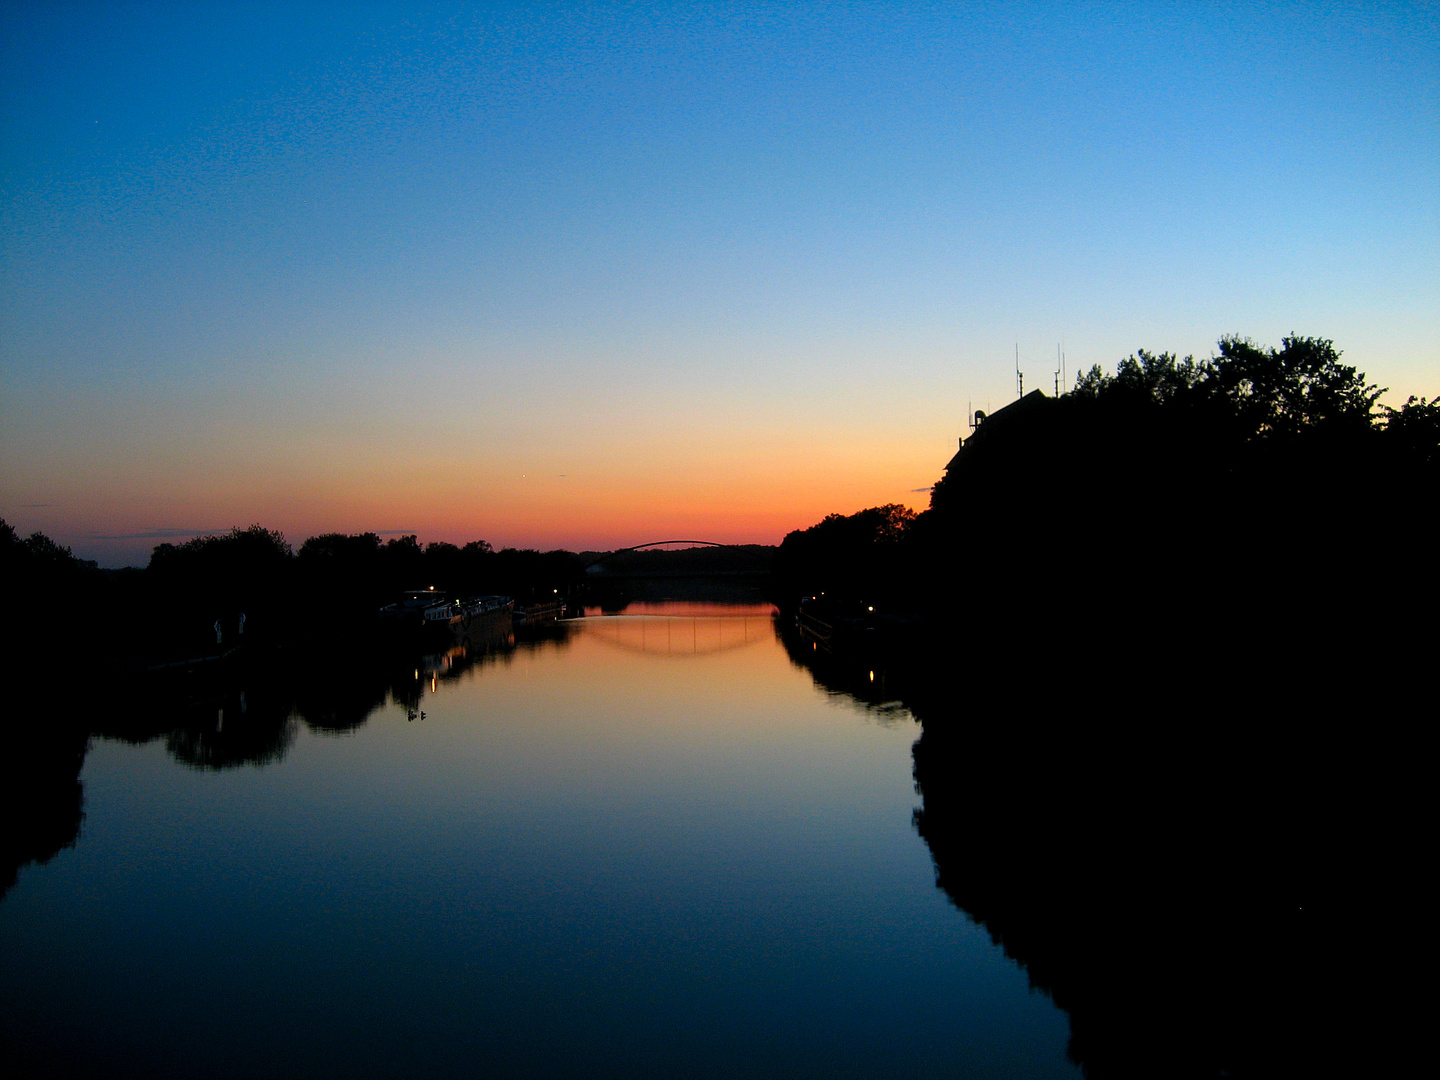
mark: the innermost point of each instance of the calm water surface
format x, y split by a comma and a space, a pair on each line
650, 847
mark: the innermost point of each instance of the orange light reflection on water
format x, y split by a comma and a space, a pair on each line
683, 629
652, 679
689, 609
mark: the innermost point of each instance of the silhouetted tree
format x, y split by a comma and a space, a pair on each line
193, 585
1144, 378
855, 554
1299, 388
46, 590
404, 563
444, 566
1412, 432
1182, 504
358, 552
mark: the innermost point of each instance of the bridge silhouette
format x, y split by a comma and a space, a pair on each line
761, 564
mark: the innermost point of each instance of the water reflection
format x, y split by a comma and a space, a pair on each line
41, 797
225, 717
1187, 866
867, 678
589, 857
221, 717
683, 629
258, 735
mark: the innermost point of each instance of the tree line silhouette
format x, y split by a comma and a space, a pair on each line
1254, 496
210, 716
331, 587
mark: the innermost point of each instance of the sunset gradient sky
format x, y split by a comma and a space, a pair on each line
588, 275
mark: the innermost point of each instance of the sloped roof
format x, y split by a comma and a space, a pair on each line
1018, 407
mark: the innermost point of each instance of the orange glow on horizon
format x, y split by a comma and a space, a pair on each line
621, 490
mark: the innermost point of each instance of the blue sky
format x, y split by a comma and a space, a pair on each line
559, 275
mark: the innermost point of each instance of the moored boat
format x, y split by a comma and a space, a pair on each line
538, 610
431, 612
475, 607
836, 624
412, 605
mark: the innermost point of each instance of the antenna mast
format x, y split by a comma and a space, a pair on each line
1019, 375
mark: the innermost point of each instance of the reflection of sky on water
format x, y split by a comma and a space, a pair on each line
590, 859
683, 629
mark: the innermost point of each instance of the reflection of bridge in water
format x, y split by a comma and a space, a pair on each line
705, 630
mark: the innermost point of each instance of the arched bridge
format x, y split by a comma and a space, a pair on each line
744, 560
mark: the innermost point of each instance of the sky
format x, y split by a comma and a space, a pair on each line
595, 274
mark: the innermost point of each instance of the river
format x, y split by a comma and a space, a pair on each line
646, 843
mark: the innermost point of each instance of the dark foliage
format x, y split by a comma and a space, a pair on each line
40, 793
1258, 496
1412, 434
42, 579
857, 555
1171, 709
